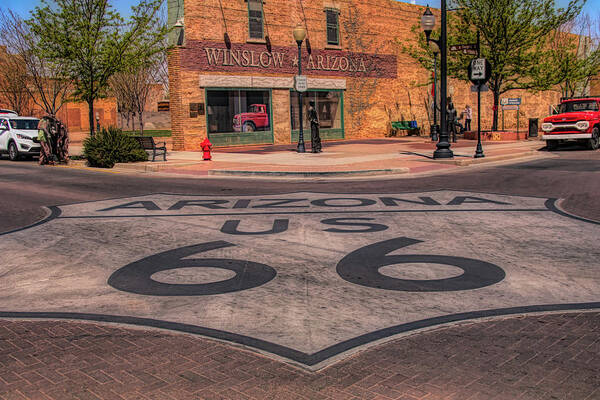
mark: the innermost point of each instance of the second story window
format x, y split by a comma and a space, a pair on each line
333, 30
255, 19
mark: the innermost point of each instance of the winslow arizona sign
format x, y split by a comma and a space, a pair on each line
247, 57
303, 276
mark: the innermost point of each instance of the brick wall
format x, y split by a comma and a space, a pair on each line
375, 28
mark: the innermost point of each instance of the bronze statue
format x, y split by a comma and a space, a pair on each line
54, 141
315, 138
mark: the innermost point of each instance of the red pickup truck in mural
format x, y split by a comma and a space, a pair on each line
577, 119
255, 119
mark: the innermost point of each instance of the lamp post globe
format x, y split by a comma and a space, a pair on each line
427, 22
299, 34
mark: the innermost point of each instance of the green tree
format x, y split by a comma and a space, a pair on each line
94, 42
514, 38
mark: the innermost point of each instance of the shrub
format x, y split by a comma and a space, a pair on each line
111, 146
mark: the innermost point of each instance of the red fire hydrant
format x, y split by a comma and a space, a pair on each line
206, 146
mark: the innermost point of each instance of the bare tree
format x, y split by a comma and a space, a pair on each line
120, 88
44, 81
160, 66
13, 81
132, 89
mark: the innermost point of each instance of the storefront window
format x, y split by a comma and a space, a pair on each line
328, 105
231, 111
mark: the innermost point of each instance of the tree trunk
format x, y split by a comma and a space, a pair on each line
496, 101
90, 102
141, 117
91, 115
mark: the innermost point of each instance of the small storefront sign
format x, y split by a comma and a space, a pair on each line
507, 101
301, 83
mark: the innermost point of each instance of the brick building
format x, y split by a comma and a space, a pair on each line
231, 55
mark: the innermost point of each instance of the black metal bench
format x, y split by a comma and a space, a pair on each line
148, 144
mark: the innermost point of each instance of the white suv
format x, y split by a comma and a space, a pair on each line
18, 136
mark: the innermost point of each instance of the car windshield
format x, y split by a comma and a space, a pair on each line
576, 106
24, 124
253, 109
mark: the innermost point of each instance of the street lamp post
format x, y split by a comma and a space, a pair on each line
434, 134
427, 24
436, 128
299, 35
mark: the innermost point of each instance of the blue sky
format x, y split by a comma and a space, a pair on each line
590, 6
23, 7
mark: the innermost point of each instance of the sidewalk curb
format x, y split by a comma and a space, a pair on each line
483, 160
152, 167
308, 174
141, 167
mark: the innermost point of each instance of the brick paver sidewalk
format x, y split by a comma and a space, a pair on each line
373, 156
554, 356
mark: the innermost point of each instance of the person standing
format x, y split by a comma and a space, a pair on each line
468, 112
452, 121
315, 138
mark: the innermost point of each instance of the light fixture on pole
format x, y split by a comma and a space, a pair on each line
179, 26
299, 33
427, 24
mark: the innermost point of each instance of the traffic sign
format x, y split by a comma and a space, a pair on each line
510, 106
479, 70
301, 83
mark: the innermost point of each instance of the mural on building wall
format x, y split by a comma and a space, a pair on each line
247, 57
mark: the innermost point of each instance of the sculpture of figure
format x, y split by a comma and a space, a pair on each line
54, 141
313, 117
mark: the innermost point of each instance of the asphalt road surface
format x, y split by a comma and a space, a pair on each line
318, 274
574, 175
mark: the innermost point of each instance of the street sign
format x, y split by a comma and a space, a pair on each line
301, 83
479, 71
464, 47
510, 107
514, 101
484, 88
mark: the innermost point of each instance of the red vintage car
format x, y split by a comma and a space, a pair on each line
577, 119
255, 119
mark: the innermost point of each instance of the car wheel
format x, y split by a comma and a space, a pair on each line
551, 145
13, 152
594, 141
248, 127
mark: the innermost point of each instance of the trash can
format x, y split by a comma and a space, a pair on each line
533, 127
